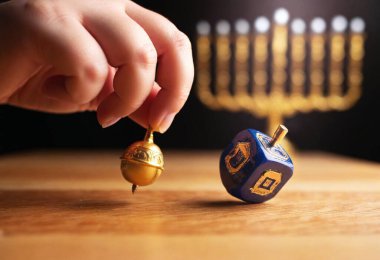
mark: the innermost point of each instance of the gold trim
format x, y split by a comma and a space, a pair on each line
266, 184
144, 155
242, 149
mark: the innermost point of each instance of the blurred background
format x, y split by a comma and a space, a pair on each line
351, 132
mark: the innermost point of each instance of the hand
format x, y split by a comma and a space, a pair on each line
66, 56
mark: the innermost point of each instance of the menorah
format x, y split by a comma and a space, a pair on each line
274, 70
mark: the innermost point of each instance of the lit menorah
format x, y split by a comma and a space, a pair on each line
275, 71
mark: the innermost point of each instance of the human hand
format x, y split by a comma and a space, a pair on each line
114, 57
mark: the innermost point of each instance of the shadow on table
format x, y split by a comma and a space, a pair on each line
226, 204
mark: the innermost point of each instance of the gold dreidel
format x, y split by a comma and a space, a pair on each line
142, 162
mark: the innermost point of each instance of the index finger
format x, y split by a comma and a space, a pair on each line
175, 72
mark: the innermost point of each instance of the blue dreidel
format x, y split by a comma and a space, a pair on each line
254, 167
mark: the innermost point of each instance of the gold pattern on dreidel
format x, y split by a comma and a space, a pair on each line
142, 162
241, 153
267, 182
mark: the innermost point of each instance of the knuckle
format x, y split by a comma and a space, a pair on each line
147, 54
94, 72
92, 77
180, 40
41, 8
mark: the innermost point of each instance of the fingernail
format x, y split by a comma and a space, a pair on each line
110, 122
165, 123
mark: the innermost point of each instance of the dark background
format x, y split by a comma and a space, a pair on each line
353, 132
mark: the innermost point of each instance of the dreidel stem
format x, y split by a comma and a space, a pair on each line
278, 135
149, 135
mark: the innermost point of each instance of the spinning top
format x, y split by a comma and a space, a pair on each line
142, 162
254, 167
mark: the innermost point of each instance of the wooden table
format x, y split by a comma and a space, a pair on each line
76, 205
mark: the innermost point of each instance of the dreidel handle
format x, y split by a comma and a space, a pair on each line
278, 135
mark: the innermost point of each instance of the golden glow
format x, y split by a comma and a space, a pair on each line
285, 51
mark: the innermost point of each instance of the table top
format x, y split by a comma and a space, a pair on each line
75, 204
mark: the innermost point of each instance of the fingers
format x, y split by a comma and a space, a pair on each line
127, 47
78, 65
175, 72
31, 96
80, 47
141, 115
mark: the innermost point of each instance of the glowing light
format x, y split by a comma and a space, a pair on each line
242, 26
223, 27
281, 16
339, 24
298, 26
262, 24
203, 28
357, 25
318, 25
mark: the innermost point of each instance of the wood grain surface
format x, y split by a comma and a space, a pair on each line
76, 205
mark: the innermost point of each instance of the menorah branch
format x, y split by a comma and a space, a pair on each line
279, 67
